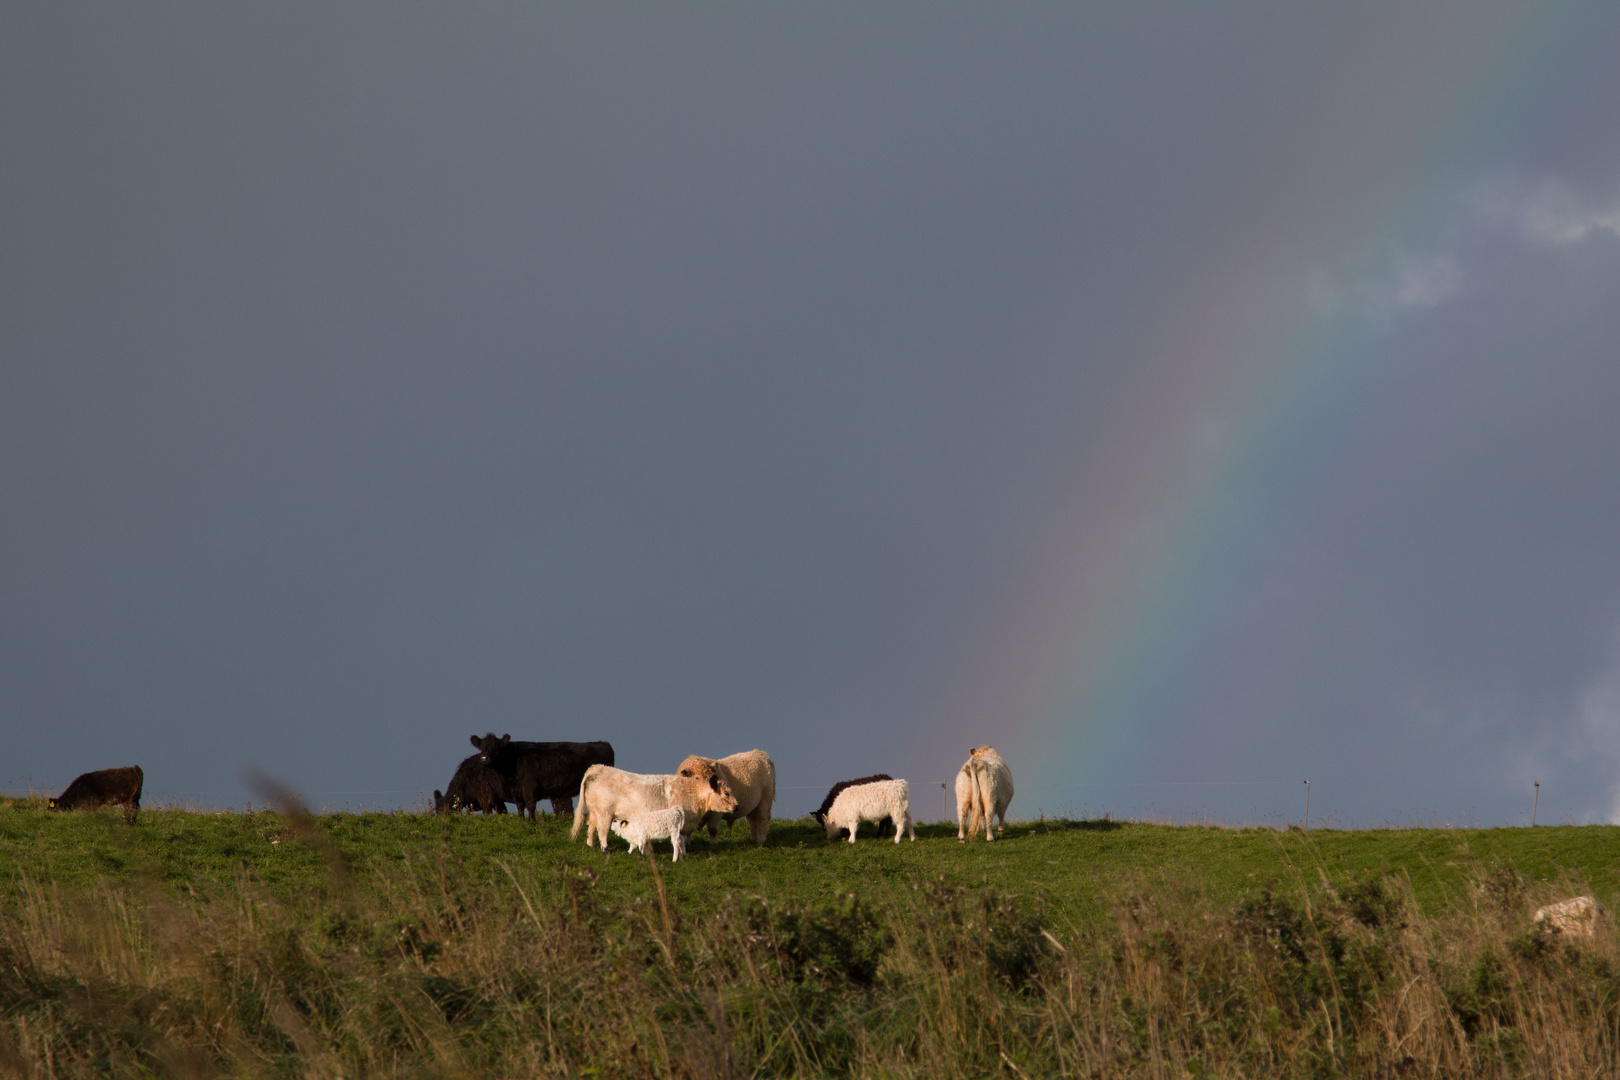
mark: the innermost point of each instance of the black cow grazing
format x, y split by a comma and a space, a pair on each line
826, 804
475, 787
117, 787
541, 770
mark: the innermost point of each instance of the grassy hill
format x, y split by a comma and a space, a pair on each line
408, 944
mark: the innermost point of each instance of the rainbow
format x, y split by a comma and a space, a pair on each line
1234, 388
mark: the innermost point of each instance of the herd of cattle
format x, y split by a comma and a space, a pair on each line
701, 793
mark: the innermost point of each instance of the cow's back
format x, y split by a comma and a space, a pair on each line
754, 773
999, 777
833, 792
558, 768
120, 786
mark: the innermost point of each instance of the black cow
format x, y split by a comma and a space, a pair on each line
541, 770
117, 787
475, 787
826, 804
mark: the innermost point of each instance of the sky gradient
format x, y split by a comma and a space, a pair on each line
1185, 401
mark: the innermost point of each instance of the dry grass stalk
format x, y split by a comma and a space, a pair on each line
532, 974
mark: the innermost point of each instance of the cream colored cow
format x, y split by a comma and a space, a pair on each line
751, 779
984, 786
872, 801
607, 794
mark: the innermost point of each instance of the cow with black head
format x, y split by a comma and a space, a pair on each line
475, 787
884, 827
116, 787
533, 771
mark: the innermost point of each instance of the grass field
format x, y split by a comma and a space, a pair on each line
414, 945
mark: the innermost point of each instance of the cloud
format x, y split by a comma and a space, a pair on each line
1548, 211
1422, 281
1404, 281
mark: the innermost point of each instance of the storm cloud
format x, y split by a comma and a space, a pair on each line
1185, 401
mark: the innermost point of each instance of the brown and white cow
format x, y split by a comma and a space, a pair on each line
984, 786
607, 794
751, 779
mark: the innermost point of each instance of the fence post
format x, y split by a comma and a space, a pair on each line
1535, 803
1307, 806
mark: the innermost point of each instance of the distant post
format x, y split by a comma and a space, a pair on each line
1307, 806
947, 792
1535, 802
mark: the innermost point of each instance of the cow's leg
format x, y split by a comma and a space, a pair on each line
984, 800
562, 804
759, 823
676, 841
852, 827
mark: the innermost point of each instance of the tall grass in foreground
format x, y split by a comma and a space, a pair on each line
541, 974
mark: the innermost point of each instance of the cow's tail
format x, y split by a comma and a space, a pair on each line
985, 791
579, 804
964, 811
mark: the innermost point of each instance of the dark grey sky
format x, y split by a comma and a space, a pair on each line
1184, 400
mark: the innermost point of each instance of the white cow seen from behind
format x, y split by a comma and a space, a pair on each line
984, 786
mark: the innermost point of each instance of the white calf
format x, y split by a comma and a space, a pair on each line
643, 829
872, 802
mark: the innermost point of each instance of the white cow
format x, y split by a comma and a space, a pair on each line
984, 786
607, 794
750, 777
872, 802
643, 829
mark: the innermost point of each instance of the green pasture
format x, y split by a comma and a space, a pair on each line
1078, 869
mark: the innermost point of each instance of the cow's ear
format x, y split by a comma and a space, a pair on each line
476, 741
506, 739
